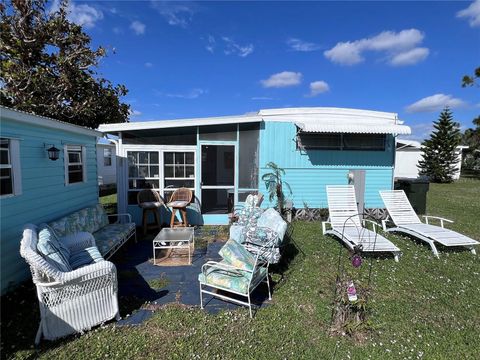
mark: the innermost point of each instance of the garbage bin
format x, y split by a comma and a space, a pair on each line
416, 191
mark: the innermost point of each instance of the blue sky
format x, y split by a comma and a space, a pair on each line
196, 59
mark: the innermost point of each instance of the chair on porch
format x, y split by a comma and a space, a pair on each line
149, 201
179, 200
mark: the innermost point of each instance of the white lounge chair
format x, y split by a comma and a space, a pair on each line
345, 223
407, 221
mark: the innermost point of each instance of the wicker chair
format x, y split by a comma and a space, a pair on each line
72, 301
179, 200
150, 201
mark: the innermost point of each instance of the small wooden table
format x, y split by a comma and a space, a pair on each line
175, 238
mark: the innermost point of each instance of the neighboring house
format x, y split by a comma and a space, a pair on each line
222, 159
407, 155
35, 189
106, 162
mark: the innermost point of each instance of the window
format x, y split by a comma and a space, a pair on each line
333, 141
163, 171
75, 164
178, 171
107, 157
10, 177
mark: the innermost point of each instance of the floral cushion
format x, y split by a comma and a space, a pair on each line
107, 237
249, 215
236, 255
89, 219
273, 220
261, 236
252, 200
236, 233
52, 249
236, 280
84, 257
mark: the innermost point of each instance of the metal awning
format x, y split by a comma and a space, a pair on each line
357, 127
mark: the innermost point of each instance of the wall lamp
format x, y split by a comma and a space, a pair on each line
53, 152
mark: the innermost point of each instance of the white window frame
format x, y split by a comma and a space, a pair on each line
109, 156
172, 189
160, 149
83, 162
14, 164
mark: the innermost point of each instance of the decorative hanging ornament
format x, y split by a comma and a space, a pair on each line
356, 260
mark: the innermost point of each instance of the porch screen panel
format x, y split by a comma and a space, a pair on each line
248, 156
143, 173
218, 132
169, 136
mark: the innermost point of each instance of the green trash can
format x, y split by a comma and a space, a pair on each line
416, 191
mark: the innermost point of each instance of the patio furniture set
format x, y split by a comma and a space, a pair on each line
77, 287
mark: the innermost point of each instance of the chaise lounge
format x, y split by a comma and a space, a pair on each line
406, 220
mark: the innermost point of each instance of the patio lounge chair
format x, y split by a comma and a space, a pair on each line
345, 223
407, 221
239, 274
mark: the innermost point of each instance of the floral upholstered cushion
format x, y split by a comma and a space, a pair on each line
273, 220
236, 233
51, 248
236, 280
89, 219
109, 236
261, 236
236, 255
249, 215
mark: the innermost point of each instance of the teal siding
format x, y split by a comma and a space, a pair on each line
45, 196
308, 172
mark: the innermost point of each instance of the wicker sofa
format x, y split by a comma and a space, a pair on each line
108, 237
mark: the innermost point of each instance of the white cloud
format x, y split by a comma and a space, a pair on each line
300, 45
83, 15
318, 87
192, 94
138, 27
117, 30
134, 112
261, 98
175, 13
435, 103
210, 47
231, 47
409, 57
283, 79
472, 13
401, 48
148, 64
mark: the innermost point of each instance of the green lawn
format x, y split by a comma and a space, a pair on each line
421, 307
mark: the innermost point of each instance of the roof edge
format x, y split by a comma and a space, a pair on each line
30, 118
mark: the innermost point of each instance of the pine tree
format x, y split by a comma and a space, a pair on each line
439, 156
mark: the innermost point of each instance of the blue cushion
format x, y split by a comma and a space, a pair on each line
84, 257
52, 249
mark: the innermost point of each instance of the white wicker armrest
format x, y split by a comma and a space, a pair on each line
375, 224
324, 226
89, 272
426, 217
120, 215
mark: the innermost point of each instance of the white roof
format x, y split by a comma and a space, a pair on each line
22, 116
314, 119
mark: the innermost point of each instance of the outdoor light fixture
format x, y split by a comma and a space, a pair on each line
53, 153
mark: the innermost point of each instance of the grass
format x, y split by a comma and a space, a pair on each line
421, 307
109, 202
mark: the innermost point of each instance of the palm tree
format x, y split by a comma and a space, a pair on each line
274, 183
